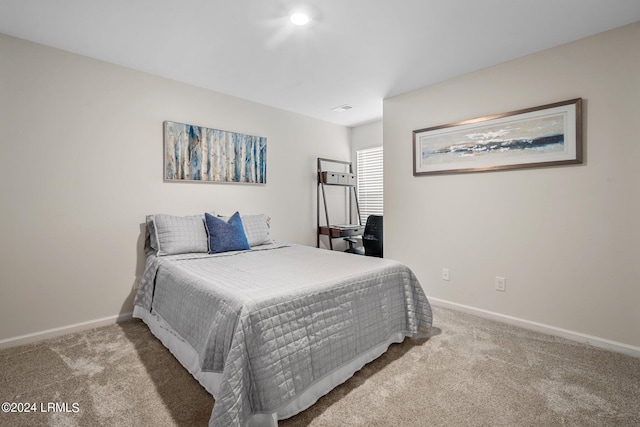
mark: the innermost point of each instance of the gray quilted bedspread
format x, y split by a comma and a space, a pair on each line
275, 321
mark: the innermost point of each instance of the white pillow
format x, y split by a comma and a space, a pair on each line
171, 235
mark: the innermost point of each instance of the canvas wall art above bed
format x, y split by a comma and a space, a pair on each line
269, 327
199, 154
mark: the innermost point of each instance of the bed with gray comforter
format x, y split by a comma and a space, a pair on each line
276, 321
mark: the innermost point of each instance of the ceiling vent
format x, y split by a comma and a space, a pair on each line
342, 108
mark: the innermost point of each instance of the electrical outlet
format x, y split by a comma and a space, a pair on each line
445, 274
501, 284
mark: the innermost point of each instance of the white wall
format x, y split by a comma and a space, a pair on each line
365, 136
81, 166
567, 238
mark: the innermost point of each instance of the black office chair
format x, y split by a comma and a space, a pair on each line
358, 250
372, 237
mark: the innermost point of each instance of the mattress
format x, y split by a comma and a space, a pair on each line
268, 331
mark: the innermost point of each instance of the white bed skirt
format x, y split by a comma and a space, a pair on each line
188, 357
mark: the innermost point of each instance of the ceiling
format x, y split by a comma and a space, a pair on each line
354, 52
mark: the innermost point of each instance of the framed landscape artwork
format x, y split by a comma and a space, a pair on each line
548, 135
200, 154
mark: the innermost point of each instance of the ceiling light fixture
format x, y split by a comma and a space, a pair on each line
299, 19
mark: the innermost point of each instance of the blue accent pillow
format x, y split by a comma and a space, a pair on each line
226, 236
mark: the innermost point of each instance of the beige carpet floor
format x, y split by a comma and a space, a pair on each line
471, 372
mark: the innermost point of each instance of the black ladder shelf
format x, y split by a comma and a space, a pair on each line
346, 180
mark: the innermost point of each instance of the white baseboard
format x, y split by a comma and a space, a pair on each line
527, 324
56, 332
618, 347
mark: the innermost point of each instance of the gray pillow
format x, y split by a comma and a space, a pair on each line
178, 234
257, 229
150, 243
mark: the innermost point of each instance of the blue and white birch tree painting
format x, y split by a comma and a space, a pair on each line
196, 153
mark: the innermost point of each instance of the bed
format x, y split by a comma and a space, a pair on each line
269, 329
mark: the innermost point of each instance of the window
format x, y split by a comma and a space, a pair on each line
369, 168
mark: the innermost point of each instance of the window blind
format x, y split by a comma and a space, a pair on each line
369, 184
